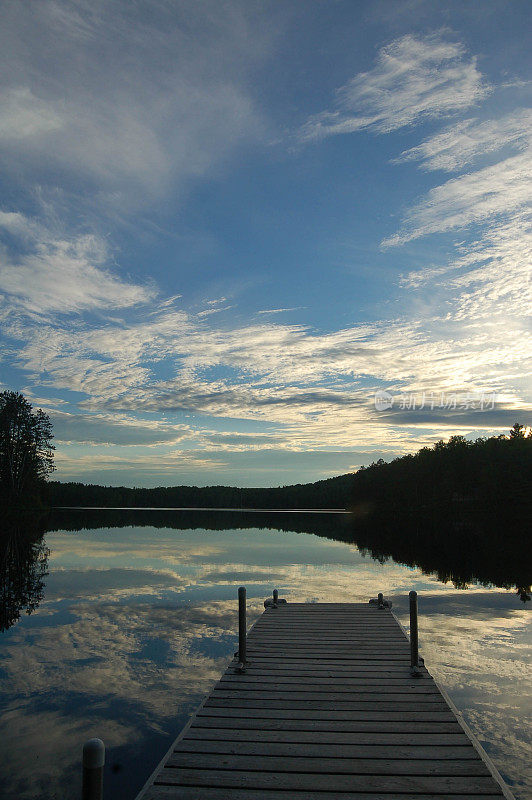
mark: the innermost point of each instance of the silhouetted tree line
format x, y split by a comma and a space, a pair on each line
481, 476
485, 473
460, 510
331, 493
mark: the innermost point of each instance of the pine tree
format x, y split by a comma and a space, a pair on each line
517, 431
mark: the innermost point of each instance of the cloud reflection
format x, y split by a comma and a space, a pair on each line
141, 621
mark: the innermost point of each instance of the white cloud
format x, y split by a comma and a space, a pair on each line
316, 387
22, 115
148, 466
497, 279
414, 79
461, 144
492, 192
134, 131
208, 312
278, 310
244, 442
117, 430
55, 273
129, 98
490, 277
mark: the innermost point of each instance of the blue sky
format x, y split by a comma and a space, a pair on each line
226, 225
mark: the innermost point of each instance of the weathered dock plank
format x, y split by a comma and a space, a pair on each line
320, 751
280, 722
327, 765
160, 792
326, 709
366, 733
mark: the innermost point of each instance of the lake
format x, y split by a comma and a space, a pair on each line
136, 619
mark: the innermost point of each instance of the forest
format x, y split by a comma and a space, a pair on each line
465, 475
460, 510
331, 493
484, 475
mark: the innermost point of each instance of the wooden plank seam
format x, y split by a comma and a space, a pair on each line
280, 731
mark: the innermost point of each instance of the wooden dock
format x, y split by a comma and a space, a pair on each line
326, 709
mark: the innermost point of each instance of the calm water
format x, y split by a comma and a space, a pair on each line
137, 622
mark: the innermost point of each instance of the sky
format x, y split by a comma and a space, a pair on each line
262, 243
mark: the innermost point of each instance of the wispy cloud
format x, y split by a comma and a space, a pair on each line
156, 465
116, 430
151, 102
489, 278
317, 388
126, 100
49, 272
461, 144
498, 276
244, 441
25, 116
278, 310
492, 192
415, 78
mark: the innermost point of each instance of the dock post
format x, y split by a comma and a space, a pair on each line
414, 641
380, 602
275, 596
241, 629
93, 761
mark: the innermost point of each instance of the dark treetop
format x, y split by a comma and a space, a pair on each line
26, 450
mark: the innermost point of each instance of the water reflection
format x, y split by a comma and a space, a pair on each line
137, 623
23, 567
461, 549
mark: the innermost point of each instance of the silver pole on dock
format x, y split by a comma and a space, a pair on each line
242, 628
414, 641
93, 762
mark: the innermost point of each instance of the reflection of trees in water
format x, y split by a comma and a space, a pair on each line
455, 547
461, 548
524, 593
206, 519
23, 567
